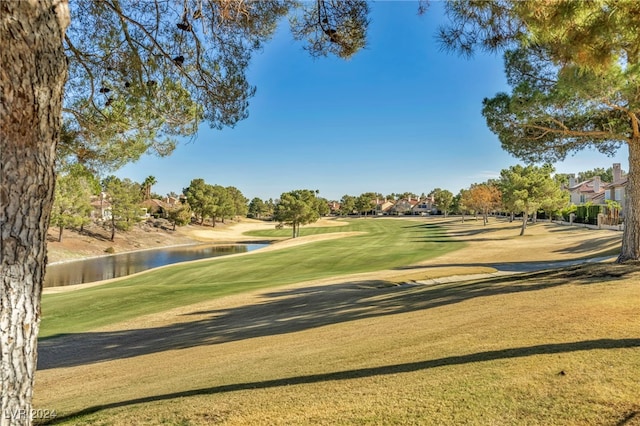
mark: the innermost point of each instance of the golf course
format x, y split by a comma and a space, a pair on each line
357, 321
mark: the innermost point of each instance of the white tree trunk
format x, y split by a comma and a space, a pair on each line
631, 236
33, 71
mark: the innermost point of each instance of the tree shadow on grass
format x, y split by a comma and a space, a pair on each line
410, 367
456, 239
517, 267
567, 229
603, 243
439, 234
444, 230
280, 312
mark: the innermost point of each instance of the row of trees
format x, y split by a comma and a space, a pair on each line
524, 190
259, 209
214, 202
364, 203
75, 187
520, 190
76, 184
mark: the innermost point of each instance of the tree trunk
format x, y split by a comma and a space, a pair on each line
525, 218
631, 235
33, 71
60, 233
113, 227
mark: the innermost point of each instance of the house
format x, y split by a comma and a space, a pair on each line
334, 207
589, 191
174, 202
615, 190
383, 206
155, 208
404, 206
101, 207
424, 206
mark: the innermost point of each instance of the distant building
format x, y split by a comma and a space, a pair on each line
616, 190
424, 206
383, 206
334, 207
404, 206
155, 208
589, 191
101, 207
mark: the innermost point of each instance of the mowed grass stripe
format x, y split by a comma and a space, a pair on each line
387, 243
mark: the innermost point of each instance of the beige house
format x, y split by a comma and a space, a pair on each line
174, 202
155, 207
424, 206
615, 190
383, 207
591, 190
101, 207
404, 206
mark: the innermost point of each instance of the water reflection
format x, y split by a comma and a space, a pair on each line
119, 265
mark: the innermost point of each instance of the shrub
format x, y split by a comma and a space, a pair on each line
588, 214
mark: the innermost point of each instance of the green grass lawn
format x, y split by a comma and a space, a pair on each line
385, 244
559, 347
546, 348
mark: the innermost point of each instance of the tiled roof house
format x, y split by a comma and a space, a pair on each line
616, 190
404, 206
591, 190
383, 206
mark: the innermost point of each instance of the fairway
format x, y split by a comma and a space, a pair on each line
372, 346
380, 244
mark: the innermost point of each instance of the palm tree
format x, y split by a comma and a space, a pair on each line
146, 186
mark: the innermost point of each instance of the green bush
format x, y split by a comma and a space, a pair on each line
588, 214
566, 212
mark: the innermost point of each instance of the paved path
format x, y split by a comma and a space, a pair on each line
513, 268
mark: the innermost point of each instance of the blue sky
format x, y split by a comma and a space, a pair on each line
401, 115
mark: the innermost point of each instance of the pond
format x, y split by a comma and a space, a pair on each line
120, 265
